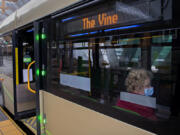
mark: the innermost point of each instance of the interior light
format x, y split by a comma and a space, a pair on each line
93, 32
121, 28
82, 34
67, 19
77, 35
30, 30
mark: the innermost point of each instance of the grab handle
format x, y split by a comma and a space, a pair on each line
29, 88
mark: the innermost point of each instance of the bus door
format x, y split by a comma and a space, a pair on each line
24, 100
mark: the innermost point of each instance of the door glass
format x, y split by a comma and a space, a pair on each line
26, 100
6, 72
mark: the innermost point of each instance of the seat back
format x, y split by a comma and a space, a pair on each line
138, 99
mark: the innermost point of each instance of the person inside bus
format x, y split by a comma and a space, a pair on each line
138, 84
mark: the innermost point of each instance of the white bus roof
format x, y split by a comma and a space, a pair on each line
33, 10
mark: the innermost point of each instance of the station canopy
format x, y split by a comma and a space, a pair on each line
29, 12
7, 7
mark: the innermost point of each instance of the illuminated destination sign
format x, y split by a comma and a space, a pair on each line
112, 15
100, 20
90, 22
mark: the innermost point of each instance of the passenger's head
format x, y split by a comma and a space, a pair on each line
139, 81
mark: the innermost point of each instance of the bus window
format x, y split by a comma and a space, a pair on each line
97, 69
75, 63
6, 60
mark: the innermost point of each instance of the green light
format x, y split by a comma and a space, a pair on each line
26, 60
39, 118
37, 37
44, 121
37, 72
43, 72
43, 36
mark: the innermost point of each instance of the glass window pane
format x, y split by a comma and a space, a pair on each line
6, 66
162, 39
115, 70
161, 59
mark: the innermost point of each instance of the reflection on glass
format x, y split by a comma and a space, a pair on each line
161, 59
7, 61
75, 65
128, 57
104, 58
127, 41
79, 58
101, 67
162, 39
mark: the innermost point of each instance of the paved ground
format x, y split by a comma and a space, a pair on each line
8, 126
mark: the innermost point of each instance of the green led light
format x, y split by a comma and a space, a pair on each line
43, 36
39, 118
37, 37
43, 73
44, 121
26, 60
37, 72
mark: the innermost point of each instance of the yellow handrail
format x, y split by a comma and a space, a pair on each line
29, 88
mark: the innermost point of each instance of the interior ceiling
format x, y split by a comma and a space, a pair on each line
7, 7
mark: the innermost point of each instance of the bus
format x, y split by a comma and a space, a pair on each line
72, 61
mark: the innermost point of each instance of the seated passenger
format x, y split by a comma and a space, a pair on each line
137, 98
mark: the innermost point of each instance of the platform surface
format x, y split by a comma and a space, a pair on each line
8, 126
